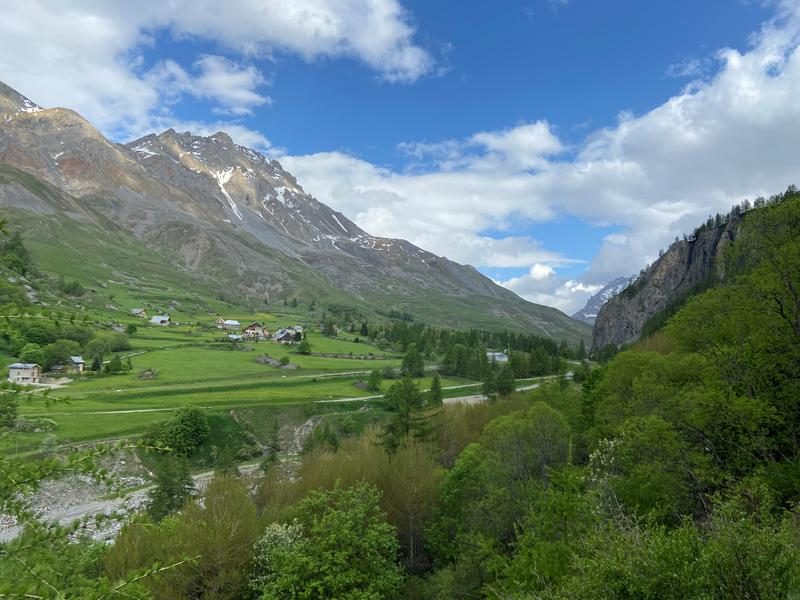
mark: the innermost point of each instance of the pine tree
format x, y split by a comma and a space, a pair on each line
114, 365
489, 383
374, 381
435, 395
505, 383
364, 330
404, 401
173, 487
581, 351
97, 364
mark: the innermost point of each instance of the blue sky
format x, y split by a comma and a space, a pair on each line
554, 144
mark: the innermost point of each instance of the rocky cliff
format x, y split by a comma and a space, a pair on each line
685, 267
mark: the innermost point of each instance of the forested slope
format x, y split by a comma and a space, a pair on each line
671, 472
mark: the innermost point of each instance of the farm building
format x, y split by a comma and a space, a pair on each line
497, 357
24, 373
231, 324
162, 320
139, 312
219, 322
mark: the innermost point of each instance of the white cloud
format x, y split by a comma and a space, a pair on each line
654, 175
89, 55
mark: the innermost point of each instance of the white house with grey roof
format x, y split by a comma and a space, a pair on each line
25, 373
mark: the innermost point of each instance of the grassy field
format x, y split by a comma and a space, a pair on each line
195, 369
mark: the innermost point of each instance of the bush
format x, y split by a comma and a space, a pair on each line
184, 433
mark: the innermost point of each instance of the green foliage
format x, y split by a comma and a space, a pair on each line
374, 381
32, 353
209, 543
9, 407
435, 395
59, 352
184, 433
114, 365
338, 546
172, 487
304, 347
505, 382
413, 365
15, 256
405, 402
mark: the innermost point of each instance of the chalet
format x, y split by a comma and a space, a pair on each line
139, 312
76, 363
231, 324
24, 373
497, 357
162, 320
219, 322
254, 331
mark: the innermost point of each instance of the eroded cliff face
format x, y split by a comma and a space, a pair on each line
684, 267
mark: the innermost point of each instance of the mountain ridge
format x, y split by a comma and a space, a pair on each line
589, 312
232, 214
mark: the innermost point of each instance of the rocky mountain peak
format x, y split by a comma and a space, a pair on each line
589, 313
12, 102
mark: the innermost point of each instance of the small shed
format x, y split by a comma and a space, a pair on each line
24, 373
231, 324
139, 312
162, 320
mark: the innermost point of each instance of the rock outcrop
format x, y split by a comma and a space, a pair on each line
684, 268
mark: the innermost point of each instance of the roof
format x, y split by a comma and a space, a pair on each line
137, 310
232, 322
254, 324
159, 318
234, 337
497, 356
23, 366
78, 360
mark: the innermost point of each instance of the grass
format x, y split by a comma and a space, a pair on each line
195, 369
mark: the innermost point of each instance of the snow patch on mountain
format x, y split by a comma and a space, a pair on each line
589, 312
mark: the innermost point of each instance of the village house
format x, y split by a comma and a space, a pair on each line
24, 373
497, 357
162, 320
284, 336
139, 312
76, 364
219, 322
254, 331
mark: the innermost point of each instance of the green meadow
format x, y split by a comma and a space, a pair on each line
193, 366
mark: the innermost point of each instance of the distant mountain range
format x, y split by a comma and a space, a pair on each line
589, 313
233, 220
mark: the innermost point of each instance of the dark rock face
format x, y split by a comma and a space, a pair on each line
683, 267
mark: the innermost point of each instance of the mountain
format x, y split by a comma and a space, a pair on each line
232, 219
685, 268
588, 313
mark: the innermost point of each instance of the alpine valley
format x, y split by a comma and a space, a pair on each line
207, 215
